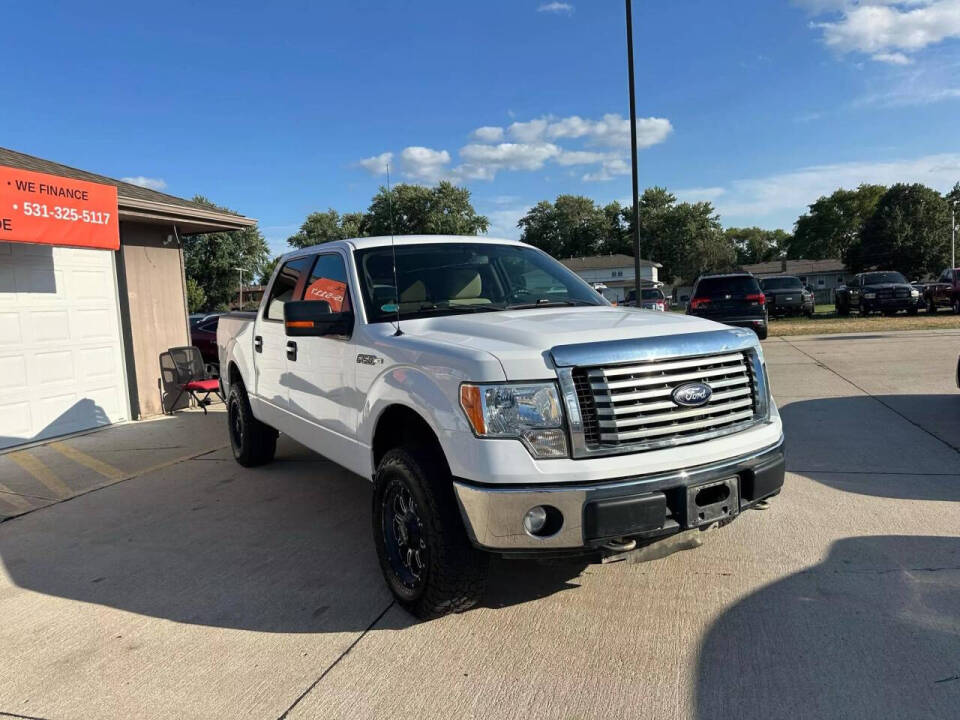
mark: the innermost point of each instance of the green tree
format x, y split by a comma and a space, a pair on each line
908, 231
756, 245
212, 259
321, 227
686, 238
831, 227
417, 210
573, 226
196, 297
266, 272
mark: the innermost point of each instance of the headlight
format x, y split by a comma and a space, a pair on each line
869, 296
529, 412
914, 293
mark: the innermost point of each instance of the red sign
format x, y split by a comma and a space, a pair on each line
330, 290
53, 210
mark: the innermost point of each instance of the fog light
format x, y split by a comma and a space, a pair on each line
535, 519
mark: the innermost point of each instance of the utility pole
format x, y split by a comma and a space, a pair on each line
633, 156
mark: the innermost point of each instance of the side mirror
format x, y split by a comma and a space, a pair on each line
313, 318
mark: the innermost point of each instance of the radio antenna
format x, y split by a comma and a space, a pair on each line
393, 250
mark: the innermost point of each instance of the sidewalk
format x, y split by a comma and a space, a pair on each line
62, 469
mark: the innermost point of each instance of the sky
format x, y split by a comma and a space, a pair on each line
280, 109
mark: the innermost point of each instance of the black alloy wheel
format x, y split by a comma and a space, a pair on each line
404, 538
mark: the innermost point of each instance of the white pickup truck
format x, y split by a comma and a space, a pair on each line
499, 404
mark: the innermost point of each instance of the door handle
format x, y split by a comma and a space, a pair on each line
292, 351
258, 343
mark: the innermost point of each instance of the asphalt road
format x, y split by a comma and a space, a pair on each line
200, 589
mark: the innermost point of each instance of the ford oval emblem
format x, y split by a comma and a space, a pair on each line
692, 394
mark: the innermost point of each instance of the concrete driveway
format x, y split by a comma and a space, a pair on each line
196, 588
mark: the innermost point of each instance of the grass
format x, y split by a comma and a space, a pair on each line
825, 321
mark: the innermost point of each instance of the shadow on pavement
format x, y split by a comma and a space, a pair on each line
283, 548
868, 444
872, 632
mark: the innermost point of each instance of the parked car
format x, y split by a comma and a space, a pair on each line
650, 299
495, 417
944, 293
203, 335
733, 299
786, 295
883, 291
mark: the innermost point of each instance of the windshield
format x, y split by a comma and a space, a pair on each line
450, 278
876, 278
651, 295
732, 285
781, 283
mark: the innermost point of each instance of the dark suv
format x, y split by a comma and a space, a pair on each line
883, 291
786, 295
734, 299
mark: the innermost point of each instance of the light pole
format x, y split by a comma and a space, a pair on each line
633, 150
240, 270
953, 234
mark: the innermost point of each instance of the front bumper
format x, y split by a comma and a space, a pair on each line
645, 506
889, 303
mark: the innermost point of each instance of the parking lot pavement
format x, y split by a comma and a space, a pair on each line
202, 589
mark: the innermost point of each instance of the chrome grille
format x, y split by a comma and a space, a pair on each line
631, 405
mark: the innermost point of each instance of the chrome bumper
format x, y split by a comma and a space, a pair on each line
493, 516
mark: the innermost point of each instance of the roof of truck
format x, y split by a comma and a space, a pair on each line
400, 240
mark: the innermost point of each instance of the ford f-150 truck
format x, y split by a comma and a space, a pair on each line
499, 405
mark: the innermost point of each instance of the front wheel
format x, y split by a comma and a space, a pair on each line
253, 443
956, 306
423, 548
843, 309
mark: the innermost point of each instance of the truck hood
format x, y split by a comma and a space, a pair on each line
521, 339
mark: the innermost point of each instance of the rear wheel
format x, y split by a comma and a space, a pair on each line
761, 332
423, 548
253, 443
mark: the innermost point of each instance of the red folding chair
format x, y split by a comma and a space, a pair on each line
183, 372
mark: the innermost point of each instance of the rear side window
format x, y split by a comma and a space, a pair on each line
328, 282
284, 287
720, 286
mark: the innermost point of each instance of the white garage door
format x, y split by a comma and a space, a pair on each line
61, 364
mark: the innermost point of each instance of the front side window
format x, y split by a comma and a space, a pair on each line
285, 285
448, 278
328, 282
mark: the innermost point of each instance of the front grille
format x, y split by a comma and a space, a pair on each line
888, 293
630, 405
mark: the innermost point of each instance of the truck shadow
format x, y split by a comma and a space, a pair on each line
898, 446
871, 632
283, 548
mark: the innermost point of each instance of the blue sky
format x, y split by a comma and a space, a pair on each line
279, 109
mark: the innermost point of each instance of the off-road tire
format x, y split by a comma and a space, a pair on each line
455, 573
253, 442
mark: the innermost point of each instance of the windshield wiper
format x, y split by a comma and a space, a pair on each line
546, 302
456, 308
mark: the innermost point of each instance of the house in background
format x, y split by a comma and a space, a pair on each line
616, 272
824, 276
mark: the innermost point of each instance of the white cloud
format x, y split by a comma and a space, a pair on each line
609, 170
612, 130
534, 143
528, 132
423, 163
376, 165
789, 193
895, 58
887, 29
488, 133
580, 157
509, 156
503, 222
146, 182
556, 7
